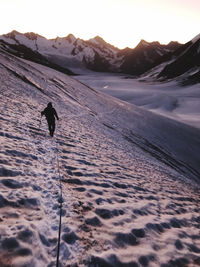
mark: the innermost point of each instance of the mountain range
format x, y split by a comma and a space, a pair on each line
73, 55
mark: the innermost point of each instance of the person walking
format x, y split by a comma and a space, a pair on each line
50, 114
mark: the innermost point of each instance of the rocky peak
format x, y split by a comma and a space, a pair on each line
143, 43
12, 34
70, 38
31, 35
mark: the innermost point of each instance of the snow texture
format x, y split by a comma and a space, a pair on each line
167, 98
130, 178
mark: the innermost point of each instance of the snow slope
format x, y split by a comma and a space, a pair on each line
169, 99
130, 178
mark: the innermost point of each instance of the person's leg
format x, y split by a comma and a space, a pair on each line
49, 125
53, 127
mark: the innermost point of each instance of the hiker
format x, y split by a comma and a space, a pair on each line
50, 114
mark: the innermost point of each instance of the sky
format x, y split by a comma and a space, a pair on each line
120, 22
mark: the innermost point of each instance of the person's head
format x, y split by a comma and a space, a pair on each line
49, 105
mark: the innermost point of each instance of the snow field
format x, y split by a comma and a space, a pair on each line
168, 99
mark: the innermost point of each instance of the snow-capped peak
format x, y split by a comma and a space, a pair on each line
12, 34
97, 39
32, 35
143, 43
71, 38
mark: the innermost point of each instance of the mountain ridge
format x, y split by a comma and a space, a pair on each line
77, 55
108, 53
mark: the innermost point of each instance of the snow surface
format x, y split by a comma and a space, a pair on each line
130, 178
196, 38
168, 99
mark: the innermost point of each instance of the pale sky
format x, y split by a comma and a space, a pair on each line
120, 22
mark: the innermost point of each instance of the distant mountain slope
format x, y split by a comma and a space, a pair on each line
188, 60
25, 52
142, 58
182, 65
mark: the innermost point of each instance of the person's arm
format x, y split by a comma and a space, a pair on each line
43, 112
55, 113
